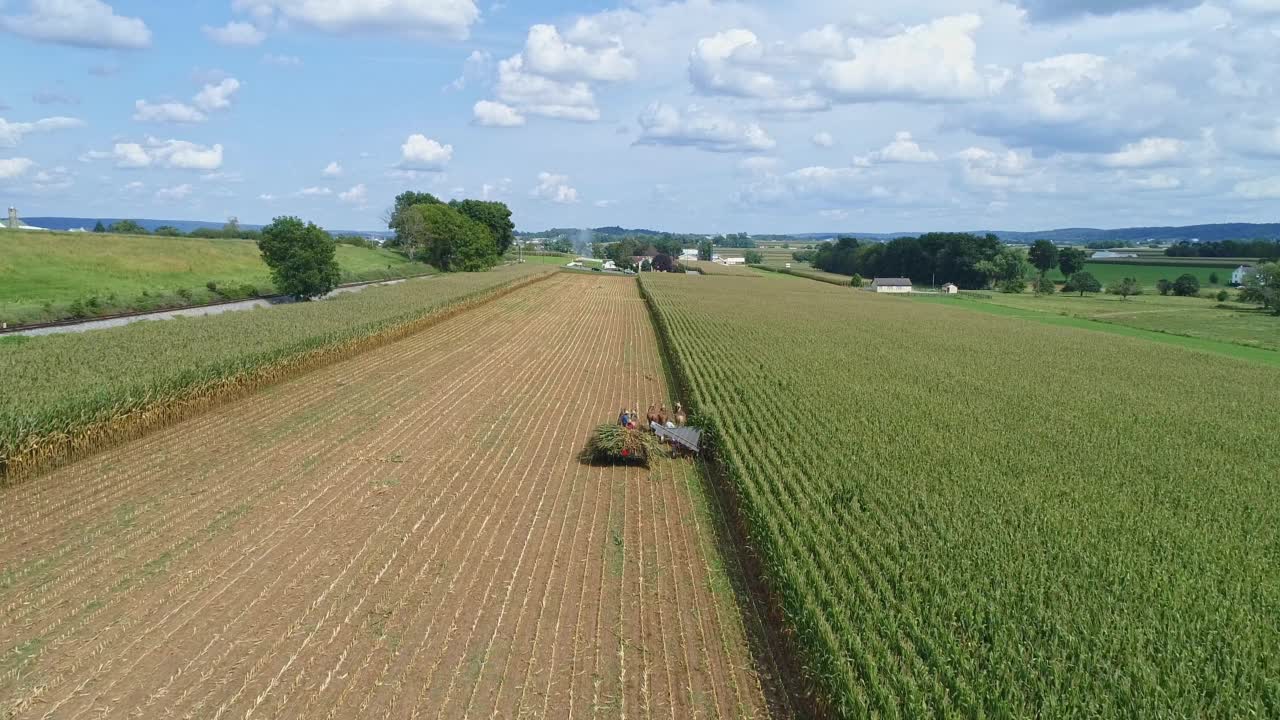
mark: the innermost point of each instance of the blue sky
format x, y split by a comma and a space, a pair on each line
693, 115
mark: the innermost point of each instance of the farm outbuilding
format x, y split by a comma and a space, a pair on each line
891, 285
950, 289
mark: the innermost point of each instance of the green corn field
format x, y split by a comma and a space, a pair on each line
973, 516
73, 393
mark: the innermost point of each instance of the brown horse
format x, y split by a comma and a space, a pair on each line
653, 415
681, 418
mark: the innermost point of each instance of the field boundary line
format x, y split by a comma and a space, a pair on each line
44, 453
771, 646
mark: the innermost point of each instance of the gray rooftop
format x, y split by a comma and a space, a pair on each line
891, 282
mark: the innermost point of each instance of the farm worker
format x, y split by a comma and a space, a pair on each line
623, 418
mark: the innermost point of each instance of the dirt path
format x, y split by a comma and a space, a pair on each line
406, 534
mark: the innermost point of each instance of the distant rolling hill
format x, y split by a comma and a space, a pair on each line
186, 226
1206, 233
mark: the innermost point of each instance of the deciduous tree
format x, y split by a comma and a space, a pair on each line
302, 257
1043, 256
1124, 287
1083, 282
705, 250
1263, 287
1071, 260
1186, 285
495, 216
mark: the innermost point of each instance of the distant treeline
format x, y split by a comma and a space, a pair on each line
230, 231
962, 258
1265, 249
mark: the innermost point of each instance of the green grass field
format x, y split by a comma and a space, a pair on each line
45, 273
1227, 329
1149, 275
970, 515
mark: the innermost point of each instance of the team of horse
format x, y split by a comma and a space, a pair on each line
657, 414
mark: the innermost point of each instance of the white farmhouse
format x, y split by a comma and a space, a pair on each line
610, 265
891, 285
950, 289
1241, 274
689, 254
733, 261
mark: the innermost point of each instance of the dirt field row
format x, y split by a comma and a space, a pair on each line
406, 534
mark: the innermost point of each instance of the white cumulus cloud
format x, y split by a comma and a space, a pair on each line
903, 149
12, 133
212, 97
1148, 152
13, 167
662, 124
167, 112
177, 154
413, 18
80, 23
333, 169
422, 153
547, 53
555, 188
539, 95
358, 195
217, 96
177, 192
236, 34
823, 140
727, 63
496, 114
936, 62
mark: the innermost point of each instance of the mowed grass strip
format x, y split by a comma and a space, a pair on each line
1149, 275
44, 272
74, 392
969, 515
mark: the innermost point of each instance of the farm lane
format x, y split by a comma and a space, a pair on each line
408, 532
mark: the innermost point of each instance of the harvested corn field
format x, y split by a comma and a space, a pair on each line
408, 533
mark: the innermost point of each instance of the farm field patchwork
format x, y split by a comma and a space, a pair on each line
57, 269
967, 515
68, 391
408, 533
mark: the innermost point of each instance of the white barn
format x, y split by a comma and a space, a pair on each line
950, 289
891, 285
733, 261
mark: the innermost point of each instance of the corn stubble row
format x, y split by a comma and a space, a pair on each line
965, 515
66, 395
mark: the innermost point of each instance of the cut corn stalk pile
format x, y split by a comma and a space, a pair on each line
614, 444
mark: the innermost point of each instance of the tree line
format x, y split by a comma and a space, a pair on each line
970, 261
461, 235
1264, 249
232, 230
